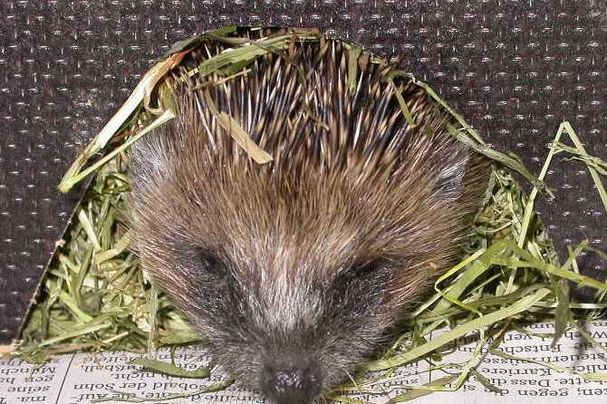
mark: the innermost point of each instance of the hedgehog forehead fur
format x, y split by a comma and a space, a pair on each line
306, 261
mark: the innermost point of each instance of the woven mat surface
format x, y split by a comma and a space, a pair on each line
514, 69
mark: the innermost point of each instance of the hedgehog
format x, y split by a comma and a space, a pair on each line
298, 270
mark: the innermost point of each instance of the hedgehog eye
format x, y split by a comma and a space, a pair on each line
360, 287
215, 283
365, 274
358, 271
210, 265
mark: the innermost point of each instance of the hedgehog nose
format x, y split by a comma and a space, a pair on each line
291, 386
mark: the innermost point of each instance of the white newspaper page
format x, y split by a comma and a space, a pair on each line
86, 378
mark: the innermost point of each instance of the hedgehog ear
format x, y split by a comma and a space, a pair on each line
450, 181
149, 165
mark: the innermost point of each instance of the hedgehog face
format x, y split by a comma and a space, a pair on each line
292, 288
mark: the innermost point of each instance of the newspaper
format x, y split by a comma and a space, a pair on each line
86, 378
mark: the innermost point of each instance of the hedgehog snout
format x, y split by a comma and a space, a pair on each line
291, 384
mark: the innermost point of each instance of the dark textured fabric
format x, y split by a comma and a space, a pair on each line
514, 69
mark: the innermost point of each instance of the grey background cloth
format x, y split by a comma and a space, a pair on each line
513, 68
